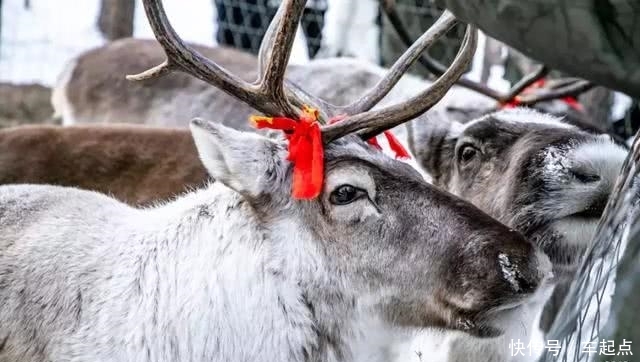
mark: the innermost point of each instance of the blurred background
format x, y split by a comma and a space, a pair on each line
38, 37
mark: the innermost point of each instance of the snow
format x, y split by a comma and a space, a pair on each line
350, 29
37, 41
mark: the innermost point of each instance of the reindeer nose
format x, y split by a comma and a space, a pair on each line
523, 279
523, 266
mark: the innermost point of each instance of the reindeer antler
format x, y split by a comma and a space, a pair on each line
268, 93
273, 95
372, 123
573, 87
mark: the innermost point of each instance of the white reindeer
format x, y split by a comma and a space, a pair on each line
240, 270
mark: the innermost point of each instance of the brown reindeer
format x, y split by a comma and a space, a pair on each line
135, 164
93, 88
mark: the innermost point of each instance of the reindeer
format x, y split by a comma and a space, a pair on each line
541, 175
135, 164
92, 88
241, 271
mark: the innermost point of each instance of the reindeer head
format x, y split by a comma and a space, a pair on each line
418, 255
537, 173
414, 254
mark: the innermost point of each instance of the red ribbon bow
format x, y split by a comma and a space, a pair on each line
306, 151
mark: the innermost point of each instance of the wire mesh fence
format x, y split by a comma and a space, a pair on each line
599, 315
418, 15
34, 45
243, 23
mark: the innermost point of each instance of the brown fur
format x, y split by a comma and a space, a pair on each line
98, 80
135, 164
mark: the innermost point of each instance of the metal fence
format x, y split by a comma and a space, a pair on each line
599, 320
242, 23
418, 15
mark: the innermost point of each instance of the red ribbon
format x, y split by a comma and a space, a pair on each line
570, 101
395, 145
306, 152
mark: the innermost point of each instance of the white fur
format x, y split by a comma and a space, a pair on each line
62, 108
600, 156
211, 291
196, 279
236, 164
525, 115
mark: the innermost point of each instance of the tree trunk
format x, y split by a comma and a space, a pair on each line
116, 18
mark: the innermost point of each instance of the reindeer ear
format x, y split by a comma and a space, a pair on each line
431, 139
245, 162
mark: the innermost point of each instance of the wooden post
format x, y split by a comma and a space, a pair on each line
116, 18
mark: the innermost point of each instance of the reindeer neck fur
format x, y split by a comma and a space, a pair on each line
199, 279
280, 263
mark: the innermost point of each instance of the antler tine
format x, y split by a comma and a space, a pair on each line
371, 123
268, 94
432, 65
273, 57
444, 23
275, 51
183, 58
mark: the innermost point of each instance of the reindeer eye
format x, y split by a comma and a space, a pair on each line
584, 177
467, 152
345, 194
